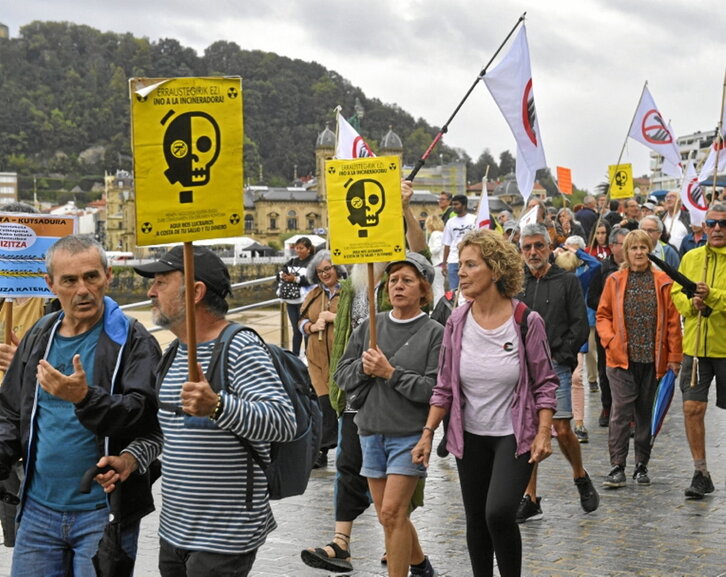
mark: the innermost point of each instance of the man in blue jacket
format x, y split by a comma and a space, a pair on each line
81, 385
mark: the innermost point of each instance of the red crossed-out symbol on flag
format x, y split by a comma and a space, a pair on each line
361, 148
529, 115
654, 129
695, 195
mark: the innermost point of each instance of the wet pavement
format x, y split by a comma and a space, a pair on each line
648, 531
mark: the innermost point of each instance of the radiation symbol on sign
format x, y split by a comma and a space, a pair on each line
234, 219
146, 228
191, 147
621, 178
366, 200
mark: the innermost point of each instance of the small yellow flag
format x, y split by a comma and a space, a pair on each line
364, 205
621, 180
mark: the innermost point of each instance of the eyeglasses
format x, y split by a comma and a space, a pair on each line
712, 222
650, 230
534, 245
612, 243
324, 270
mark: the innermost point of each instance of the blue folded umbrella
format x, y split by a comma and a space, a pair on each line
662, 402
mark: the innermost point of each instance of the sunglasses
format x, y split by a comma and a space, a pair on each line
534, 245
712, 222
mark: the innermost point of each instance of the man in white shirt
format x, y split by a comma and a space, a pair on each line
676, 221
455, 229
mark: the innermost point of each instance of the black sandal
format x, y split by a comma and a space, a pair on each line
319, 558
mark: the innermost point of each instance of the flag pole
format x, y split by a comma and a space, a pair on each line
620, 156
445, 128
719, 137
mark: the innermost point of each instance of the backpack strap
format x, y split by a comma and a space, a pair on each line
521, 312
217, 378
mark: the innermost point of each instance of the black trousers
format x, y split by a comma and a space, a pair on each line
176, 562
492, 484
351, 495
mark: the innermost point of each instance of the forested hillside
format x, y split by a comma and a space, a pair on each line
64, 105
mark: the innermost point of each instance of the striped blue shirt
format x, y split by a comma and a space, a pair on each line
204, 484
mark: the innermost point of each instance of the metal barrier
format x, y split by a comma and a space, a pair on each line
284, 333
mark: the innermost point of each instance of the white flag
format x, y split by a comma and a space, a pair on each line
718, 148
348, 143
692, 196
649, 128
510, 83
483, 218
529, 217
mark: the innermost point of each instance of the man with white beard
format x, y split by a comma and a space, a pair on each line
350, 497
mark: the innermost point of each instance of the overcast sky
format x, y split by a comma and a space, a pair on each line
590, 59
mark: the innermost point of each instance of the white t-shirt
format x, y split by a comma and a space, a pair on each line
488, 386
455, 229
678, 232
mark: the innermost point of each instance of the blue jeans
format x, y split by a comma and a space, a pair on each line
452, 269
49, 541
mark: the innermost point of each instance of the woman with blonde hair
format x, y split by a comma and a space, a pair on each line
640, 330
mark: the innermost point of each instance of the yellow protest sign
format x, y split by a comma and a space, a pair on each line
187, 143
621, 180
365, 212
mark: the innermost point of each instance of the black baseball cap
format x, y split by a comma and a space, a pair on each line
208, 268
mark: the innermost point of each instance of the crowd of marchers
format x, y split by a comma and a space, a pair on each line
623, 296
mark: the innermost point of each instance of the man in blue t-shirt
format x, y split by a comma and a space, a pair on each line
80, 386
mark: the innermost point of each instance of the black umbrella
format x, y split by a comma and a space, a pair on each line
110, 560
689, 287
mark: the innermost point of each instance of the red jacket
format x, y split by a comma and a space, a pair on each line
611, 322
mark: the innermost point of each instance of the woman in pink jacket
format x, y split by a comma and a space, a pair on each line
641, 342
500, 410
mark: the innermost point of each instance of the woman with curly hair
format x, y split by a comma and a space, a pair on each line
500, 418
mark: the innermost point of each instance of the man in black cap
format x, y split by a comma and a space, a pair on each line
207, 473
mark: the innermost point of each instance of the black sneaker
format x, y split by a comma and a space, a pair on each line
700, 485
604, 418
582, 434
589, 498
529, 511
641, 474
616, 478
426, 571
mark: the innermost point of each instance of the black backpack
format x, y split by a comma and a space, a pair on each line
290, 461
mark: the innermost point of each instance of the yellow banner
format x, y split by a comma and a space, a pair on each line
365, 212
620, 177
187, 143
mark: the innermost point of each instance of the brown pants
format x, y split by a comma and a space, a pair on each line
633, 390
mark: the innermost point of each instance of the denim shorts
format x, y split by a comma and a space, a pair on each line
564, 392
385, 455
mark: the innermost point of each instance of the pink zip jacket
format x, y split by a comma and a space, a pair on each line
535, 389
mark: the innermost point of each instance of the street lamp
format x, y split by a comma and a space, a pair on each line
358, 116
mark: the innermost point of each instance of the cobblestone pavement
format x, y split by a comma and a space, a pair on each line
637, 531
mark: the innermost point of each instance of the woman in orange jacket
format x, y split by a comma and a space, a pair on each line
640, 329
